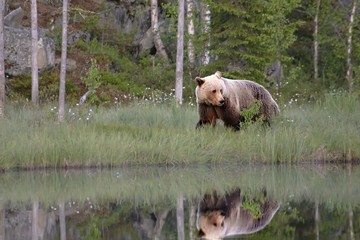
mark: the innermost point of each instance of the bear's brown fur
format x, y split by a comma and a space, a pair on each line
225, 99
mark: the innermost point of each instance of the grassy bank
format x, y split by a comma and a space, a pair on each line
162, 134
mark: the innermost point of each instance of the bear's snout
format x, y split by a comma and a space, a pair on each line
222, 102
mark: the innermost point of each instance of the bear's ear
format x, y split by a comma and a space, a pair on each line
199, 81
218, 74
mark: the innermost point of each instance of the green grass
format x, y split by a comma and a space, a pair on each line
159, 134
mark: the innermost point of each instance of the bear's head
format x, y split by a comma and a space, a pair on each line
209, 90
211, 224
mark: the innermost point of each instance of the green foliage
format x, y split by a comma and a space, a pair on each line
19, 88
93, 76
90, 23
171, 10
93, 231
145, 76
103, 51
333, 23
122, 82
251, 114
246, 36
252, 206
49, 88
57, 35
283, 225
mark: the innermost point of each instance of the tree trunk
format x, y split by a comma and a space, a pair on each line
160, 221
191, 32
62, 221
63, 62
34, 55
207, 21
2, 217
192, 221
2, 57
180, 54
316, 42
160, 48
35, 220
180, 218
351, 224
317, 221
349, 48
351, 213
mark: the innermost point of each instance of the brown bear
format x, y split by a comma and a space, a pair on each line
225, 99
220, 216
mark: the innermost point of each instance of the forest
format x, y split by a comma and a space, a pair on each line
297, 49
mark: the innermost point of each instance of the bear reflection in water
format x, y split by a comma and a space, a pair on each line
231, 214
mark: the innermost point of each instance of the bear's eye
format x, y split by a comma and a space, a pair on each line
221, 91
214, 91
215, 225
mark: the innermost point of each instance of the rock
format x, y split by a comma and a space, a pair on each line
76, 35
14, 18
18, 51
70, 64
274, 73
147, 41
13, 4
129, 17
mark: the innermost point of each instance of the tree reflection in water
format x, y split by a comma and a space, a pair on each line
317, 202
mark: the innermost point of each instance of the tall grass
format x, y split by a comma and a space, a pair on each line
165, 134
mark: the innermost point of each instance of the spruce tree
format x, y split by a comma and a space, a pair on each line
247, 36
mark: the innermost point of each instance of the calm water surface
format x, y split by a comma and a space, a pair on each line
235, 201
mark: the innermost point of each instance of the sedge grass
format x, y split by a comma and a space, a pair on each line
165, 135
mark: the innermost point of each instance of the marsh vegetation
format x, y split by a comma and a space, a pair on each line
164, 134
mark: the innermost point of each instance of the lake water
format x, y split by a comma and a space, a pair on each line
257, 202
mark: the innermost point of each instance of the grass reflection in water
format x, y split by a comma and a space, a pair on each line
100, 204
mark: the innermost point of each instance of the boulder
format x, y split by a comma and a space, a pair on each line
274, 74
70, 64
130, 17
76, 35
147, 41
18, 51
14, 18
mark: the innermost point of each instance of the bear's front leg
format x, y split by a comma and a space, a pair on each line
201, 123
207, 115
233, 123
